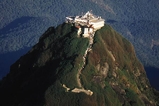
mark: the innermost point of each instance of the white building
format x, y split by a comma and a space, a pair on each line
88, 21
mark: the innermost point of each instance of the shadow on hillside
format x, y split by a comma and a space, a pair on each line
15, 24
153, 76
7, 59
28, 85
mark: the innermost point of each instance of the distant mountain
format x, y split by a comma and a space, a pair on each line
22, 23
65, 69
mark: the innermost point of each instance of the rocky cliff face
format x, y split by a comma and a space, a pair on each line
58, 71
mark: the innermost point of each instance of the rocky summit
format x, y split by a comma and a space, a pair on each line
66, 69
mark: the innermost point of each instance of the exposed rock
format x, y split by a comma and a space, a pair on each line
112, 56
103, 70
137, 73
118, 89
114, 74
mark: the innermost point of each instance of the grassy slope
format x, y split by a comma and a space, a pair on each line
128, 66
128, 89
138, 93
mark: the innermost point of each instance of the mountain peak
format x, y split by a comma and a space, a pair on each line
64, 69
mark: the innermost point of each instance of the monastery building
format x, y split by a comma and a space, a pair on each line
86, 24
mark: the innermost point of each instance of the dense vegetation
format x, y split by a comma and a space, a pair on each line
37, 77
22, 22
144, 36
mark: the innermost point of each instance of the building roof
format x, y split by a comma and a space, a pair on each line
88, 17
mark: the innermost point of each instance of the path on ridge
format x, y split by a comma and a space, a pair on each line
81, 89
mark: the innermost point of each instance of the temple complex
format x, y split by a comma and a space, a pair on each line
86, 24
